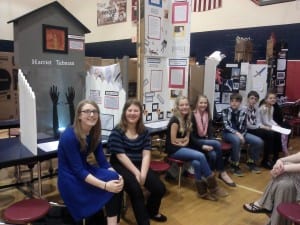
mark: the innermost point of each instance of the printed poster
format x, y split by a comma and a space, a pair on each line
111, 11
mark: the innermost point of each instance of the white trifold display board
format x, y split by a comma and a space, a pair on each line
166, 49
28, 124
104, 86
256, 79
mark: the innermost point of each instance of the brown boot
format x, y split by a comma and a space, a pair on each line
213, 187
201, 186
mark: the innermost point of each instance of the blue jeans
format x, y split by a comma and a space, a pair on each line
197, 159
256, 145
215, 158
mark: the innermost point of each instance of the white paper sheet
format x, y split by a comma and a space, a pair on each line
159, 124
281, 130
49, 146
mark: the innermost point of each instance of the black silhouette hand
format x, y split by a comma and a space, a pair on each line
54, 94
70, 95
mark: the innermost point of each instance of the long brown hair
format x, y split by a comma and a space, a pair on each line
95, 132
123, 125
185, 124
195, 106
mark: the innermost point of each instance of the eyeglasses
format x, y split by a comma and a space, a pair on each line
89, 112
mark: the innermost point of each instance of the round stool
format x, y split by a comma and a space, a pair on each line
180, 166
159, 166
290, 211
26, 211
225, 146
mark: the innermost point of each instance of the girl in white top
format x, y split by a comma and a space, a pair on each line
266, 112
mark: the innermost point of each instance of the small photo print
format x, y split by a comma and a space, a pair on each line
149, 117
280, 75
243, 82
175, 93
235, 73
161, 115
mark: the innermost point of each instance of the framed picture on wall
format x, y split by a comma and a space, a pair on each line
55, 39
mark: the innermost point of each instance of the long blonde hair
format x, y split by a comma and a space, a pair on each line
195, 106
95, 132
185, 124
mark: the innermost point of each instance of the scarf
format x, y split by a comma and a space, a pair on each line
252, 116
202, 123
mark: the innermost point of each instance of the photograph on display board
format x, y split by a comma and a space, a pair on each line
169, 114
161, 115
180, 12
217, 96
243, 82
226, 97
155, 107
235, 76
280, 75
175, 93
149, 117
179, 31
111, 11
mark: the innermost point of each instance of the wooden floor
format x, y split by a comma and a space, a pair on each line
182, 207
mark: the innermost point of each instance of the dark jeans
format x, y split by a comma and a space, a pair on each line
214, 157
270, 147
153, 184
256, 145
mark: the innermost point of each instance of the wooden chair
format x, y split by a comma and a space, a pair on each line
26, 211
290, 211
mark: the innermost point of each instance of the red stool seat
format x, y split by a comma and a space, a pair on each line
179, 162
225, 146
26, 211
180, 165
290, 211
159, 166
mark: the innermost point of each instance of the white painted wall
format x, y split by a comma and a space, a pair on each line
233, 14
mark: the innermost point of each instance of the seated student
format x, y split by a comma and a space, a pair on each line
177, 147
283, 187
202, 138
266, 111
85, 188
129, 143
255, 127
235, 132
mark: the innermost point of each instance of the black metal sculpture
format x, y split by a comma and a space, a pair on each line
70, 95
54, 94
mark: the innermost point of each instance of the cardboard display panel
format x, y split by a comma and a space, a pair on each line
9, 98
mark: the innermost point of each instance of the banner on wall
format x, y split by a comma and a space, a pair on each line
111, 11
205, 5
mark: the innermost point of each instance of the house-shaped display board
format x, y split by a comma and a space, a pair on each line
49, 49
